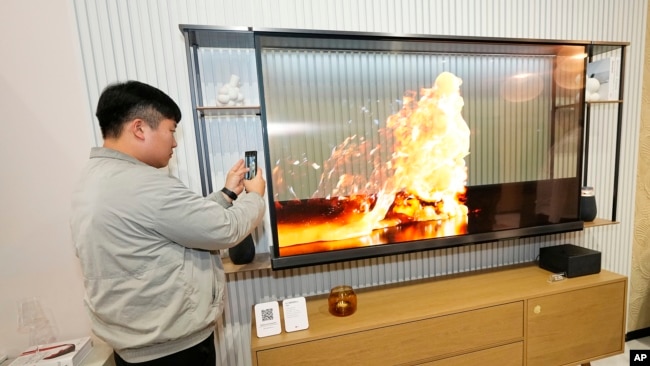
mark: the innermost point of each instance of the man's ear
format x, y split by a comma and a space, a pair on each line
136, 128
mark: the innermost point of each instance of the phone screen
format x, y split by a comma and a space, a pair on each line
250, 160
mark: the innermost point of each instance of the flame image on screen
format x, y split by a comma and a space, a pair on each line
423, 180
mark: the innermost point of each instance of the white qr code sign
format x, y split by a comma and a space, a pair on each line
267, 319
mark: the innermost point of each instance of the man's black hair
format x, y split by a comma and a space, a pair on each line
123, 102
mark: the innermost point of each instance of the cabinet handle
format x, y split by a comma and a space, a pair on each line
537, 309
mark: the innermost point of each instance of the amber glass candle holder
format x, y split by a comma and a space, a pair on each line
342, 301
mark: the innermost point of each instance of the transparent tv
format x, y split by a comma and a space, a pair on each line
382, 144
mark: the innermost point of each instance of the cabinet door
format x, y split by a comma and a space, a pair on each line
507, 355
576, 326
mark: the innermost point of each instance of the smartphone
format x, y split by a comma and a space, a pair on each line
250, 160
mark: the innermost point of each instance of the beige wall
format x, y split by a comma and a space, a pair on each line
639, 317
45, 143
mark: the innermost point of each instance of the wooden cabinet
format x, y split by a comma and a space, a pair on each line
511, 316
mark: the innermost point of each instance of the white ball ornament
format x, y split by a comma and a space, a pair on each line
592, 85
229, 94
223, 99
233, 93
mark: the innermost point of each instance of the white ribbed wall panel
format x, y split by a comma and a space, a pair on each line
140, 39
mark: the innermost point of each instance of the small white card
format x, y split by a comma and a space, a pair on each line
295, 314
267, 319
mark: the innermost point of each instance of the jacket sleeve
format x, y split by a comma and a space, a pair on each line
203, 222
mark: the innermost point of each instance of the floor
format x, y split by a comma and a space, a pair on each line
624, 359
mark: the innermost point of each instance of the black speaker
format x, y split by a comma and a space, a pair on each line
570, 259
588, 208
244, 252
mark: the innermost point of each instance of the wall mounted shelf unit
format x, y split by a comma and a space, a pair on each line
326, 111
611, 94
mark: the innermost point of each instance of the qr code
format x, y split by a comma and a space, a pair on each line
267, 314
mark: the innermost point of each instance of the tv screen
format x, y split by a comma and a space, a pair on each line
382, 145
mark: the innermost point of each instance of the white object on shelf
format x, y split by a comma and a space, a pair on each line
295, 314
46, 354
230, 94
606, 71
592, 86
267, 319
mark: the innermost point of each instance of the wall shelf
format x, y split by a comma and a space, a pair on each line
617, 52
253, 110
261, 261
604, 101
599, 222
228, 109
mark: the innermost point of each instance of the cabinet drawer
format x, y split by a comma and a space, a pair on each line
507, 355
408, 342
571, 327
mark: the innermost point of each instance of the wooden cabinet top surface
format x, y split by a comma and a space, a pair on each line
415, 300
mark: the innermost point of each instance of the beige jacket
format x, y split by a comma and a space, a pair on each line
154, 284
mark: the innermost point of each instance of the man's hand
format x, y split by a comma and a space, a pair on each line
235, 177
257, 184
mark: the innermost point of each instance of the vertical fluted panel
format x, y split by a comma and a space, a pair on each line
140, 40
353, 96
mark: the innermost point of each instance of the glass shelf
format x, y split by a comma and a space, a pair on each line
229, 111
599, 222
604, 101
568, 106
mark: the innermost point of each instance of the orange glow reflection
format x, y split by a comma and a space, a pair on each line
570, 67
522, 87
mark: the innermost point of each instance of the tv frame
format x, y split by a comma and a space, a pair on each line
478, 44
